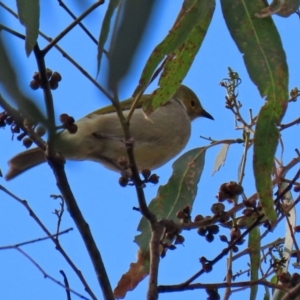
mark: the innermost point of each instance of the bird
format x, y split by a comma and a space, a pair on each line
100, 137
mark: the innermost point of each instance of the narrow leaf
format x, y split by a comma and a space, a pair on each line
254, 252
29, 15
259, 42
130, 30
136, 273
179, 192
113, 4
179, 62
221, 157
191, 13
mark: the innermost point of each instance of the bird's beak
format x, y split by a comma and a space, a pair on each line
205, 114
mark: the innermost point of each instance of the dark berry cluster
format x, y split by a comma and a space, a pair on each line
251, 207
68, 123
171, 238
229, 190
53, 77
184, 215
7, 120
212, 294
171, 241
289, 280
235, 234
208, 231
125, 179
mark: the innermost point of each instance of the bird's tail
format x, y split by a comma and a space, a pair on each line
24, 161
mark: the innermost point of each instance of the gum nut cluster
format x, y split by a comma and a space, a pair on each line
53, 77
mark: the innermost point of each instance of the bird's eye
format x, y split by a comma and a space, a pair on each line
193, 103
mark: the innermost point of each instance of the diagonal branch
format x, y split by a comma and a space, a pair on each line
71, 26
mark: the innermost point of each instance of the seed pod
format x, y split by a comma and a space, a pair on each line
217, 208
36, 76
15, 128
27, 142
53, 84
235, 233
223, 238
9, 120
180, 214
214, 229
21, 136
179, 239
209, 237
40, 130
72, 128
146, 173
171, 247
202, 231
34, 84
235, 249
63, 118
123, 181
153, 178
56, 77
198, 218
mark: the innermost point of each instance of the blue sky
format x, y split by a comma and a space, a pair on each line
106, 206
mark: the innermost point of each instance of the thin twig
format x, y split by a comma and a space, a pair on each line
83, 227
57, 165
195, 286
64, 6
80, 68
285, 126
139, 186
53, 239
13, 32
39, 56
224, 251
293, 293
36, 240
66, 282
157, 232
68, 57
46, 275
292, 233
71, 26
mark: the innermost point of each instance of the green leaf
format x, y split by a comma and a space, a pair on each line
274, 279
129, 32
254, 252
29, 15
179, 192
113, 4
260, 43
179, 62
192, 12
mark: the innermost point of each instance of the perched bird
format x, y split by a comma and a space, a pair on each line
100, 137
